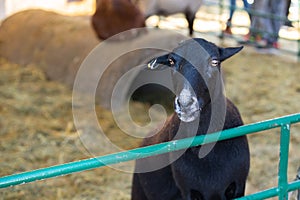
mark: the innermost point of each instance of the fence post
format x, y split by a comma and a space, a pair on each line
298, 26
221, 11
283, 161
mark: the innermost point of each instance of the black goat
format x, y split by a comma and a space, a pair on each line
209, 172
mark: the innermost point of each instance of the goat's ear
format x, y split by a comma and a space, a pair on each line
159, 63
228, 52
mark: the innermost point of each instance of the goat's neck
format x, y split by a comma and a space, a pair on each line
212, 117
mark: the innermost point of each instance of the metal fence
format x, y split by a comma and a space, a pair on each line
223, 9
281, 190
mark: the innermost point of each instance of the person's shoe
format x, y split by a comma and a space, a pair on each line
288, 23
264, 44
227, 31
248, 40
267, 47
275, 45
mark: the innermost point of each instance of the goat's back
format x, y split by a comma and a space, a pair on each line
169, 7
115, 16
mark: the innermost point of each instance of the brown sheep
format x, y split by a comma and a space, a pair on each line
115, 16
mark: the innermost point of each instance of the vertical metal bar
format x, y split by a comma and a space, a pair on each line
221, 10
283, 161
298, 26
2, 9
298, 54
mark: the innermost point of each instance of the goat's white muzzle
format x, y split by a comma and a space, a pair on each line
186, 106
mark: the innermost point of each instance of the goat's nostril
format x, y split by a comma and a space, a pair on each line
177, 102
185, 102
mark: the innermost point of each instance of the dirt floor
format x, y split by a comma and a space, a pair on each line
37, 128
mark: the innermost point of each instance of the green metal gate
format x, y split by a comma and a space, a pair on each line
281, 190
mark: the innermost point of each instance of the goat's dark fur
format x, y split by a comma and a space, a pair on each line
220, 175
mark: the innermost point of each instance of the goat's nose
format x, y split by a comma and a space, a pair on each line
185, 98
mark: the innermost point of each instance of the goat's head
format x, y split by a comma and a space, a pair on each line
196, 75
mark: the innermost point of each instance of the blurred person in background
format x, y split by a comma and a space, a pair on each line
2, 9
288, 5
231, 12
267, 18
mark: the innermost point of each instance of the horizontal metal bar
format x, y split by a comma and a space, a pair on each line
294, 186
77, 166
272, 192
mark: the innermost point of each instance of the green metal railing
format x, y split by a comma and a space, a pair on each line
281, 190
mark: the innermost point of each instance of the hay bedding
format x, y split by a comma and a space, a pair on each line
37, 128
37, 131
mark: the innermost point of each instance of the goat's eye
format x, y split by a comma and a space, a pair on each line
214, 62
171, 62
